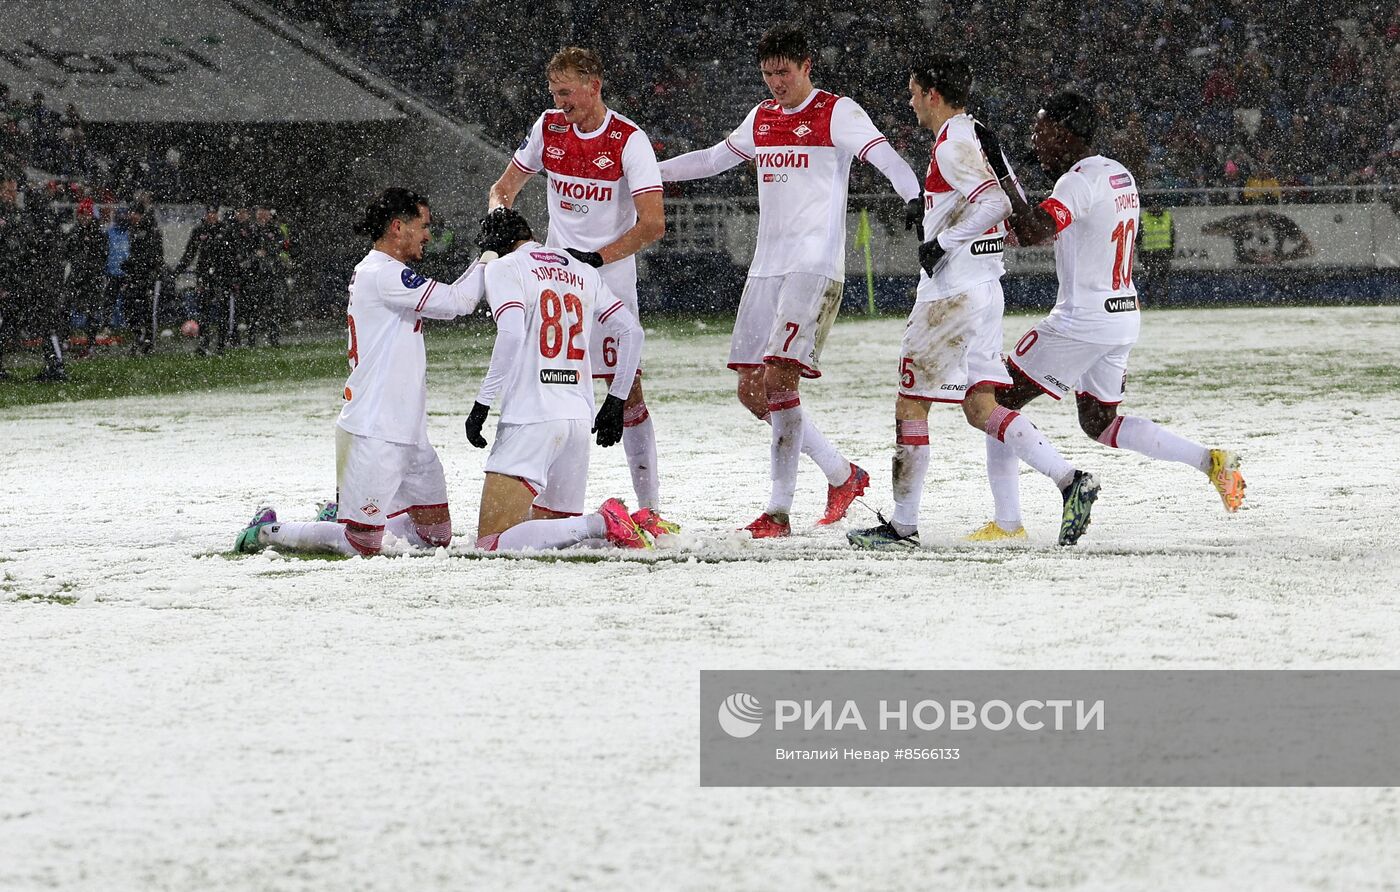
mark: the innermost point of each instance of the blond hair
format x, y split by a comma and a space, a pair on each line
583, 62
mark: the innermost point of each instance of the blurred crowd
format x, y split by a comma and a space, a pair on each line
76, 275
1199, 94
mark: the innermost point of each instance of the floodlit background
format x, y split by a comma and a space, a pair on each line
173, 716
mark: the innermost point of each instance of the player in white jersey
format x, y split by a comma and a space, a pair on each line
951, 351
387, 473
1083, 345
801, 143
605, 205
546, 305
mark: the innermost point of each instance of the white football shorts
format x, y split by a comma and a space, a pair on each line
785, 318
1059, 365
952, 345
550, 457
376, 479
602, 350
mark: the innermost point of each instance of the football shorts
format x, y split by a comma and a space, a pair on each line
785, 318
376, 479
549, 457
602, 348
953, 344
1059, 365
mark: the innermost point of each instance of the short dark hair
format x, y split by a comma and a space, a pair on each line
394, 203
950, 75
783, 42
1073, 112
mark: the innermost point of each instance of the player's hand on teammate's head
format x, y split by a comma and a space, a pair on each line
608, 424
501, 230
592, 258
475, 420
914, 215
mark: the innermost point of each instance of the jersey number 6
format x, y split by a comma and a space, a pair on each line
552, 328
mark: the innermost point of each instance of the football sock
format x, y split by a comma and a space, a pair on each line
785, 414
419, 535
1154, 441
909, 468
553, 533
639, 442
818, 448
1003, 476
1030, 446
310, 536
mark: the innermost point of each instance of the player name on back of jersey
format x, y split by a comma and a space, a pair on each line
551, 273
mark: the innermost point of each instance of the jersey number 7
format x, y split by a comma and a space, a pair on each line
552, 310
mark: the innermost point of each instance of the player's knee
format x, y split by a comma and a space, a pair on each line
366, 540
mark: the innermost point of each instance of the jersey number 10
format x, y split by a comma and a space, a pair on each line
552, 310
1123, 239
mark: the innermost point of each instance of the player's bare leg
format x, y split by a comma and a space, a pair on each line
509, 520
1102, 422
639, 443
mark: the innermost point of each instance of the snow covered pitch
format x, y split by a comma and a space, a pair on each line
173, 718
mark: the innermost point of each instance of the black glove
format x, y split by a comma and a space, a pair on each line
992, 146
592, 258
931, 253
501, 229
608, 424
474, 422
914, 215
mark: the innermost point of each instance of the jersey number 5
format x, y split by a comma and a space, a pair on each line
552, 328
1123, 238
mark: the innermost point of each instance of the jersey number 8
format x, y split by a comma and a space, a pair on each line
552, 328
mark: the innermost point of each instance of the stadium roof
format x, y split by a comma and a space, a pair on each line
195, 61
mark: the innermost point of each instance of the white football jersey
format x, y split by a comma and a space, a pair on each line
1095, 208
563, 299
958, 174
387, 391
802, 158
592, 178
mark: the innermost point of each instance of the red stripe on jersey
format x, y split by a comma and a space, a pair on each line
506, 306
609, 311
424, 302
773, 127
521, 166
647, 189
980, 189
1058, 212
933, 181
870, 145
729, 145
596, 158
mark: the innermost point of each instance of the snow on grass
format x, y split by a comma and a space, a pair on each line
174, 717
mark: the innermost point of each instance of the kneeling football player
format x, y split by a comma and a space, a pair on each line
387, 473
546, 304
